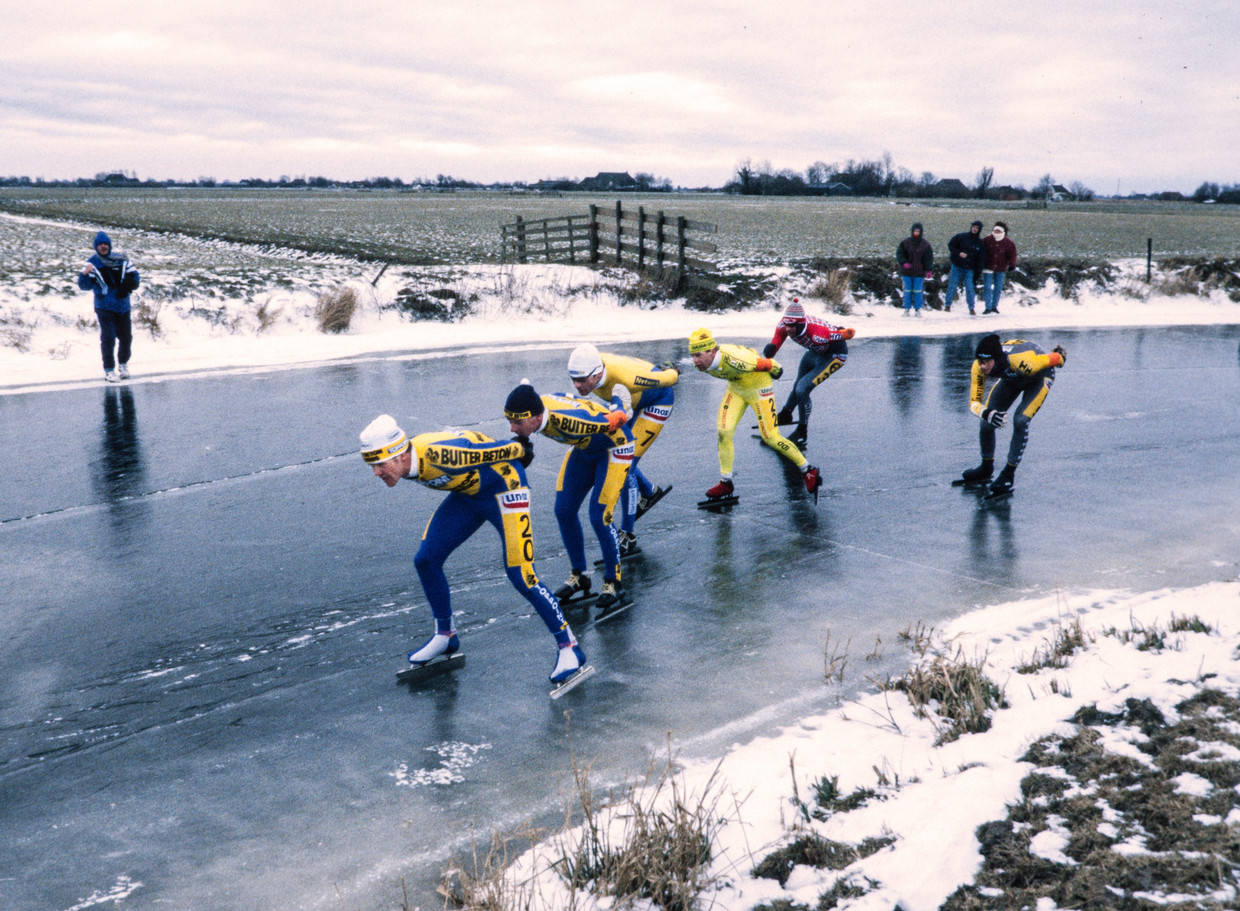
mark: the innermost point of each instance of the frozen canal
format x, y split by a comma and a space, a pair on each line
205, 595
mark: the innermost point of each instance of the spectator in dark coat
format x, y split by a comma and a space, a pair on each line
112, 279
1000, 256
968, 255
916, 260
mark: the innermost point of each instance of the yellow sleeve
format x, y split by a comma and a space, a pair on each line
977, 386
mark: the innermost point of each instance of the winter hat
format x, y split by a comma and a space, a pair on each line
978, 225
523, 402
584, 361
989, 348
102, 238
916, 229
383, 440
701, 340
795, 312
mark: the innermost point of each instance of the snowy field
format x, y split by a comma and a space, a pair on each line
920, 797
223, 307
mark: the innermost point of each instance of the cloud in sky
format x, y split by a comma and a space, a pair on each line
1135, 95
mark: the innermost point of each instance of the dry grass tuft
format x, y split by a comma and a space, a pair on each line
834, 289
1068, 639
266, 313
146, 316
335, 308
953, 689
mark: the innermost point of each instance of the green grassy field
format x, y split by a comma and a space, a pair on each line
463, 227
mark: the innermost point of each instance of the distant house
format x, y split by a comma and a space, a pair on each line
1007, 193
951, 188
1059, 193
838, 188
607, 181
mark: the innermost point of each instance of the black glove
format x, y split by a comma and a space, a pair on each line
776, 371
1059, 349
668, 365
527, 451
994, 418
769, 349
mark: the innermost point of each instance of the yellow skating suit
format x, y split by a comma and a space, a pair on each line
749, 386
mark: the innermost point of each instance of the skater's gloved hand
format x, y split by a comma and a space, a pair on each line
929, 275
846, 334
1063, 354
769, 349
776, 371
668, 365
993, 417
527, 451
616, 419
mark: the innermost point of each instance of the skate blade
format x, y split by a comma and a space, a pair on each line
659, 494
970, 485
579, 602
620, 607
719, 503
578, 677
635, 552
432, 668
992, 499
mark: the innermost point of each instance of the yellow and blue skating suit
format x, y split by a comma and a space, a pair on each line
1027, 373
601, 453
652, 400
749, 386
485, 483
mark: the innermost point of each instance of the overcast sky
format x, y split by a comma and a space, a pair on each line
1131, 96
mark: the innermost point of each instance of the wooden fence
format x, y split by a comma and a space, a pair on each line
668, 247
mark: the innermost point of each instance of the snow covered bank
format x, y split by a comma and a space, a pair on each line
876, 785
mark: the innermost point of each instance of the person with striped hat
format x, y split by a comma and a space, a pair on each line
750, 377
484, 480
826, 350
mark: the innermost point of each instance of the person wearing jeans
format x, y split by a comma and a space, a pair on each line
916, 260
967, 252
1000, 256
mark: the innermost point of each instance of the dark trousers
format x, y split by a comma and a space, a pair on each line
114, 327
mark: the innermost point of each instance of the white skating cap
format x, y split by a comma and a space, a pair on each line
382, 440
584, 361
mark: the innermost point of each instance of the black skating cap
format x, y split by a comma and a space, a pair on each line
523, 402
989, 348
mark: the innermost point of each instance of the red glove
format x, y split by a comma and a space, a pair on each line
847, 333
929, 276
616, 419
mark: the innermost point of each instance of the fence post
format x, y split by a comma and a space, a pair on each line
1149, 259
572, 253
593, 233
660, 225
520, 239
619, 231
681, 226
641, 238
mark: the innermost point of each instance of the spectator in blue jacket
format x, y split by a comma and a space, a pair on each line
113, 279
968, 254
